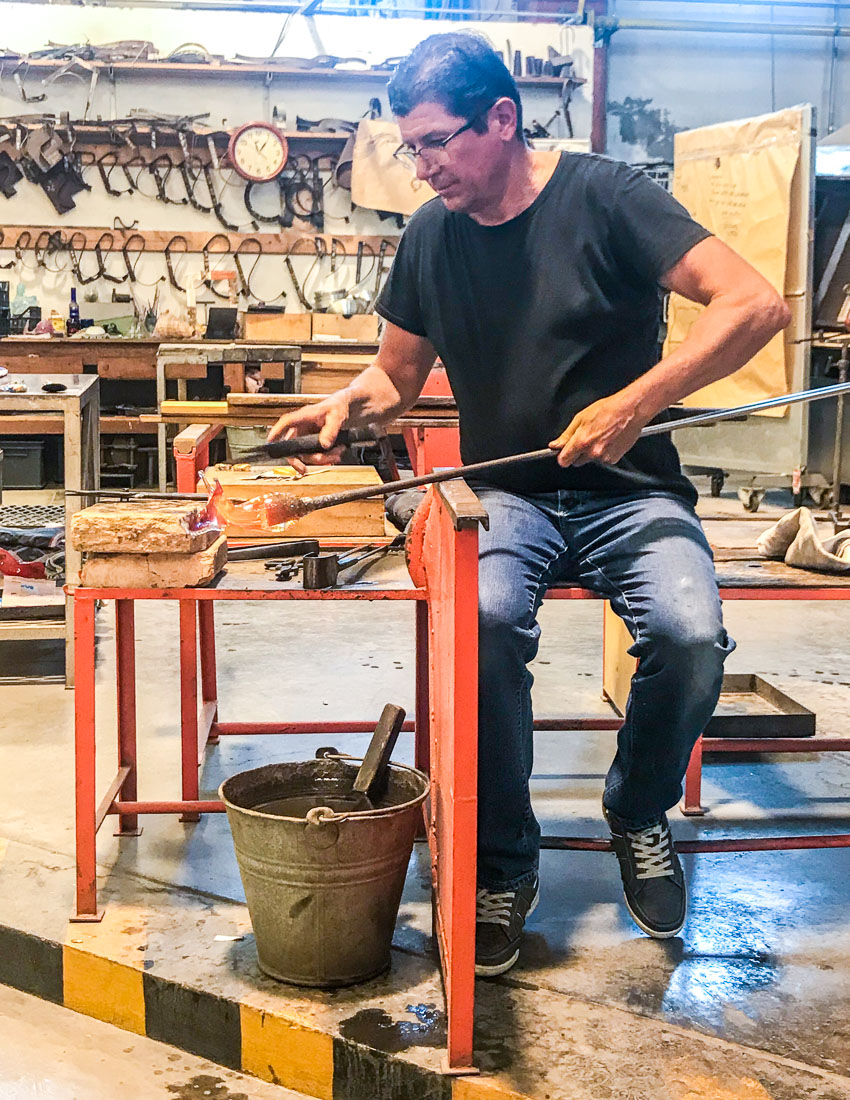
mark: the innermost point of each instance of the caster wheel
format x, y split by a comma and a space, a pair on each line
751, 499
798, 498
821, 498
717, 483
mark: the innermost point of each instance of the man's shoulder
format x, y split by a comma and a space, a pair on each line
428, 217
594, 168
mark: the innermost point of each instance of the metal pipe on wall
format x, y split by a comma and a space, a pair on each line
613, 23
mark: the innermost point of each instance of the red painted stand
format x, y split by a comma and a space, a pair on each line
445, 605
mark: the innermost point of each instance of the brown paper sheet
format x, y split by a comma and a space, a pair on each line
380, 180
736, 179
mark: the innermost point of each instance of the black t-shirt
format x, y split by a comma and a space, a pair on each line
540, 316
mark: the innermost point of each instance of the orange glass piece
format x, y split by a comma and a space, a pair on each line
271, 512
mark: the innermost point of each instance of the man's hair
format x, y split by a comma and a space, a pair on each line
461, 72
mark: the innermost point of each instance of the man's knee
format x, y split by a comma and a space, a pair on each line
697, 646
505, 628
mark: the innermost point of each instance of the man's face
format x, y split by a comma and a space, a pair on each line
466, 172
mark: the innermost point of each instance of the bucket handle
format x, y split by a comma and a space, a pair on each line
324, 815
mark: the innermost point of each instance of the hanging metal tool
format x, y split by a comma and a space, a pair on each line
75, 255
318, 246
216, 201
208, 278
382, 251
172, 277
161, 168
245, 280
98, 251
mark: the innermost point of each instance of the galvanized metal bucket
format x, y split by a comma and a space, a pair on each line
323, 891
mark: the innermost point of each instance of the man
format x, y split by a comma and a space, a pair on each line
535, 277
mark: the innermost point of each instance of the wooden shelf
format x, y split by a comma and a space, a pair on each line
225, 70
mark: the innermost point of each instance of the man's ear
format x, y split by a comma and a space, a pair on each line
503, 112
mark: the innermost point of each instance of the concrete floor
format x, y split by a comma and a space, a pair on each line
763, 964
51, 1053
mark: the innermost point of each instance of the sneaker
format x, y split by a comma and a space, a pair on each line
653, 880
499, 920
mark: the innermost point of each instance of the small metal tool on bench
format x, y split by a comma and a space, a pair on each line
322, 570
293, 548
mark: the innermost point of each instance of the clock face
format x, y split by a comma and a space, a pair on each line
258, 152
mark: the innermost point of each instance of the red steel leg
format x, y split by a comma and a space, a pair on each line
692, 803
422, 735
209, 687
186, 469
84, 762
189, 704
450, 558
125, 652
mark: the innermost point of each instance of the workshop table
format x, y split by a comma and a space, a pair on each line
77, 409
443, 585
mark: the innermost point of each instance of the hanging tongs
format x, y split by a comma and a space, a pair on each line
319, 247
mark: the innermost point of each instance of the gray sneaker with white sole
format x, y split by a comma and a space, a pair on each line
500, 916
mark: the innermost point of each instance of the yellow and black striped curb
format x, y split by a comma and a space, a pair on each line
275, 1048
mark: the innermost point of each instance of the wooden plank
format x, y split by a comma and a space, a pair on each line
317, 379
127, 367
618, 666
234, 377
126, 425
464, 507
197, 369
277, 326
362, 326
45, 424
330, 358
276, 371
288, 400
156, 240
193, 437
32, 363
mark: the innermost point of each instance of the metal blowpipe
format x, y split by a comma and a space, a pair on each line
296, 506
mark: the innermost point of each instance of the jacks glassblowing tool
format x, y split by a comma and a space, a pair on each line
278, 509
307, 444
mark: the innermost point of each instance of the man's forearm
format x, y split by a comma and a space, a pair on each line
725, 337
375, 399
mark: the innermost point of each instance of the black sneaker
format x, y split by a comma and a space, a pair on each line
499, 920
653, 880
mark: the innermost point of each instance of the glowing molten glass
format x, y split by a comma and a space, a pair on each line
272, 512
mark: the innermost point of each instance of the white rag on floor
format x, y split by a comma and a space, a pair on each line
795, 539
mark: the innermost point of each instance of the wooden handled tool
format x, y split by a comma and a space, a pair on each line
370, 781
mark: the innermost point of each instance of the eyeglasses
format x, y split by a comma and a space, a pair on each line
435, 150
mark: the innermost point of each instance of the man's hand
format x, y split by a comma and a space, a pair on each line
603, 432
325, 417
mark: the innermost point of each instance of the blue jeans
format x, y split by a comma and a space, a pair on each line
648, 555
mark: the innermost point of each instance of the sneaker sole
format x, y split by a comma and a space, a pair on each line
653, 932
483, 971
